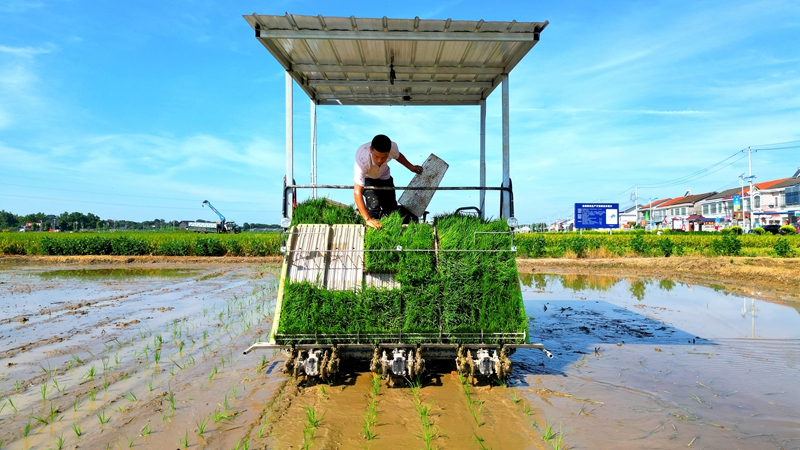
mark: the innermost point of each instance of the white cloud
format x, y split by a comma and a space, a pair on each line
25, 52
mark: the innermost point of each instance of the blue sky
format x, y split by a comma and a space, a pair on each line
142, 110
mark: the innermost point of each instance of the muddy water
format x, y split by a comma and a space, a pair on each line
104, 357
658, 364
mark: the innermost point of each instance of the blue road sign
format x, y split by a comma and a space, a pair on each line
596, 215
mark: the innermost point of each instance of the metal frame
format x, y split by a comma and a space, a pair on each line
383, 61
504, 190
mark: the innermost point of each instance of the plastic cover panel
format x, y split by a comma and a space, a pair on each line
346, 267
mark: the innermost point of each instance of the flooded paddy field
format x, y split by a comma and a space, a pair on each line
149, 355
648, 363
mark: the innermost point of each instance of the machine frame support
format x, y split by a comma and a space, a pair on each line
482, 203
313, 148
289, 138
506, 212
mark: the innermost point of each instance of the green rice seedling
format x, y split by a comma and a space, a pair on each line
157, 356
43, 420
89, 374
325, 211
77, 359
76, 427
53, 413
17, 386
43, 391
179, 366
202, 424
516, 399
27, 429
184, 441
105, 384
11, 403
130, 396
3, 407
226, 403
150, 385
60, 442
366, 428
103, 417
92, 394
56, 385
117, 359
243, 444
311, 417
171, 400
213, 372
219, 416
105, 364
262, 430
131, 441
479, 440
146, 430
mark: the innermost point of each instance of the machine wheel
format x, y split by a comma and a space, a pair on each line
288, 366
375, 364
471, 364
323, 368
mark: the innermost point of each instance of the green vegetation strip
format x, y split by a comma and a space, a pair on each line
640, 244
132, 243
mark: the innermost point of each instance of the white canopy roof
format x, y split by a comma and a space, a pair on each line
350, 61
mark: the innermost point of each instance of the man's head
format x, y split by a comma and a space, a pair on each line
379, 149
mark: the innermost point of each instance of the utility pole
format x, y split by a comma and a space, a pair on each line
750, 168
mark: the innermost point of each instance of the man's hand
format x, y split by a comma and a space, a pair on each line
416, 169
373, 223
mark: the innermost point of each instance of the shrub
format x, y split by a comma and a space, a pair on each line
788, 229
784, 248
12, 248
666, 246
737, 230
126, 245
758, 230
578, 245
208, 246
727, 245
638, 244
174, 247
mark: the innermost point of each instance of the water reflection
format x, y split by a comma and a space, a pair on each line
597, 283
575, 282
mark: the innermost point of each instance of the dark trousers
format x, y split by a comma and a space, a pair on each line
381, 203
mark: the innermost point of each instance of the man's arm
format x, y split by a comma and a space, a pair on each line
402, 160
358, 196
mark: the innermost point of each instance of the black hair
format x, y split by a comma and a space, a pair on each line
381, 143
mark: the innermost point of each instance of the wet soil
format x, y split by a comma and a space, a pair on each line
142, 360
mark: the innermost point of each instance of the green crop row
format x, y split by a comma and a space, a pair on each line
140, 243
559, 245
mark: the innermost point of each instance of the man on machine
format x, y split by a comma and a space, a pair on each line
372, 169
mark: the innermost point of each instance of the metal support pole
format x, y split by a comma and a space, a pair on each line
506, 212
313, 147
482, 203
750, 169
289, 141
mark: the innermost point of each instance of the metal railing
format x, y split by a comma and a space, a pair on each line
509, 190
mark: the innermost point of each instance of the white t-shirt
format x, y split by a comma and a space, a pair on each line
366, 168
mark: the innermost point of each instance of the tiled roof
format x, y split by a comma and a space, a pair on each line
689, 199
